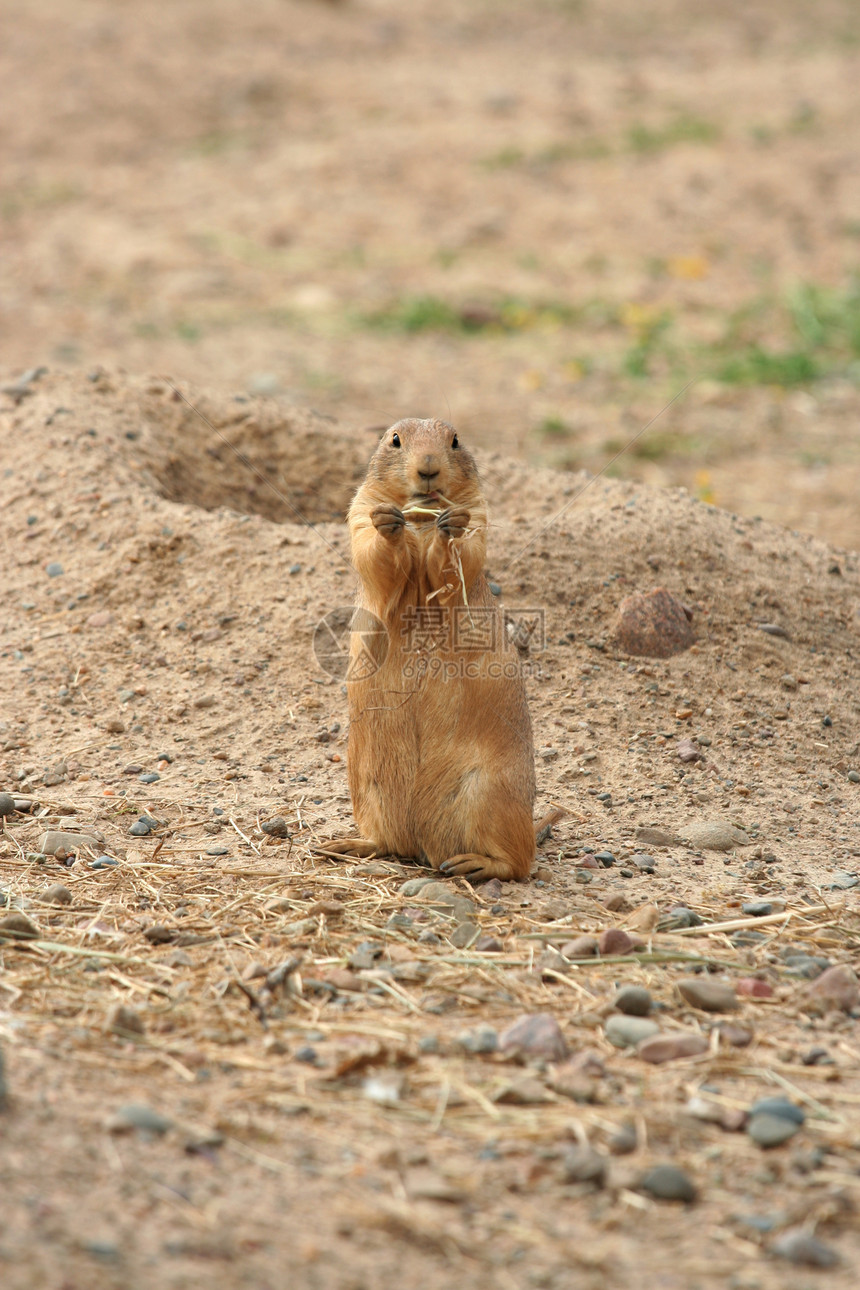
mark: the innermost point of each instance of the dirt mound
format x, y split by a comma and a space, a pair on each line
157, 662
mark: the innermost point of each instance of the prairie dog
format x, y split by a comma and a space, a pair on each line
440, 753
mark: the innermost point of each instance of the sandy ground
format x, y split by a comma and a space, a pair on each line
241, 239
185, 631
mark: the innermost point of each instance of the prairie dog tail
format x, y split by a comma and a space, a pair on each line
543, 826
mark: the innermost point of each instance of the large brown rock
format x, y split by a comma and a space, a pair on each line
653, 624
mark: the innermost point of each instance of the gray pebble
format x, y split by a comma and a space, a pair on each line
624, 1141
779, 1106
464, 935
709, 995
139, 1116
633, 1001
481, 1040
667, 1182
627, 1032
103, 862
54, 569
495, 589
57, 895
681, 916
140, 829
757, 908
218, 850
853, 776
58, 840
605, 858
645, 864
799, 1246
584, 1165
7, 804
414, 885
295, 568
843, 881
768, 1130
151, 777
277, 827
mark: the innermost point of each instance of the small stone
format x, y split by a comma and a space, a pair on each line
140, 829
835, 989
645, 864
7, 804
54, 840
753, 987
101, 618
583, 947
177, 959
628, 1032
757, 908
523, 1092
735, 1036
797, 1245
218, 850
159, 935
54, 569
672, 1048
132, 769
681, 916
277, 827
843, 882
448, 899
464, 935
605, 858
614, 940
624, 1141
688, 751
414, 885
584, 1165
365, 956
495, 589
534, 1036
779, 1106
142, 1117
816, 1056
151, 777
489, 945
633, 1001
667, 1182
114, 726
714, 835
654, 837
104, 862
767, 1130
853, 776
481, 1041
653, 624
16, 926
708, 995
57, 895
125, 1021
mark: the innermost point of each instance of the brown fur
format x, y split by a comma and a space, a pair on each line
441, 768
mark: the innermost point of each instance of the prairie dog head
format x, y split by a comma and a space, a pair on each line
424, 460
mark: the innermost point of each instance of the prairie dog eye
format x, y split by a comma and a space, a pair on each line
455, 442
395, 441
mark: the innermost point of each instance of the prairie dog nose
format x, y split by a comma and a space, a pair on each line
429, 468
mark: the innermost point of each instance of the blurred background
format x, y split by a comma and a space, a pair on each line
539, 218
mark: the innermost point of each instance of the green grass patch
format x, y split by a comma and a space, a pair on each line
554, 427
431, 313
681, 129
